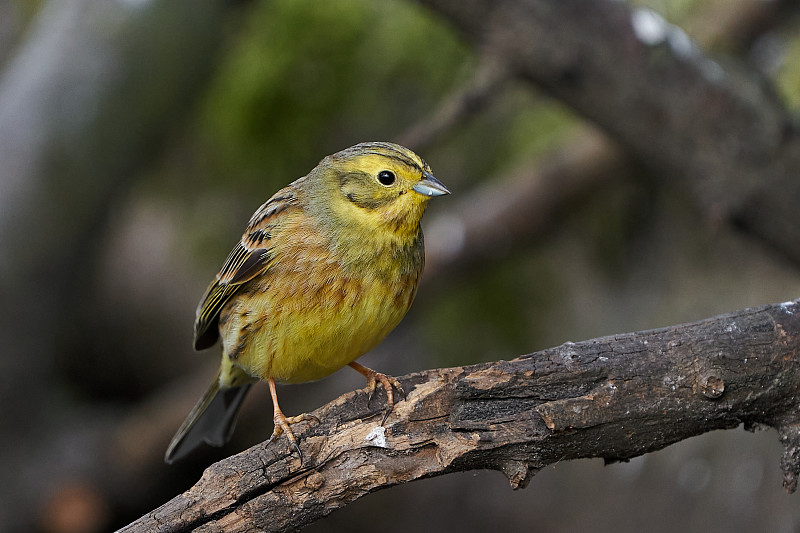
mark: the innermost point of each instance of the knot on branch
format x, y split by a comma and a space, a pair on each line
518, 473
711, 386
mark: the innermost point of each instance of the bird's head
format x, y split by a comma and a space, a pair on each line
381, 185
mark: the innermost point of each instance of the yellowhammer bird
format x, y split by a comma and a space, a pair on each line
326, 268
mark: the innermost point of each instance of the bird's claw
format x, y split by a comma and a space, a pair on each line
389, 383
282, 424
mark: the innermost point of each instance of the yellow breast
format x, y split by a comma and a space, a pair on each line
310, 317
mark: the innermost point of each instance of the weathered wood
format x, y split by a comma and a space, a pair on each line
615, 397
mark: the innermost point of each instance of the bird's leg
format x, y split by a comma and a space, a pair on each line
389, 383
282, 422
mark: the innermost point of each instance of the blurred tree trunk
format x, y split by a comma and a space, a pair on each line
717, 131
86, 100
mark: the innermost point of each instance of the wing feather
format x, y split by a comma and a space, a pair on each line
250, 257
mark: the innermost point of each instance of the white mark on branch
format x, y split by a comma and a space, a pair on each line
651, 29
377, 437
674, 382
568, 354
681, 43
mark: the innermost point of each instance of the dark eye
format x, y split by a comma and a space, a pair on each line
386, 177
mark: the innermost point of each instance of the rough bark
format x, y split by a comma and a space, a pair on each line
714, 129
615, 397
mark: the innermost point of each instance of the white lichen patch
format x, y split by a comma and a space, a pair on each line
649, 26
651, 29
377, 437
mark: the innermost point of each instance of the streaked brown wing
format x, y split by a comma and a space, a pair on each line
250, 257
241, 266
205, 332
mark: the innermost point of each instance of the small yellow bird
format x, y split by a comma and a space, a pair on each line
326, 268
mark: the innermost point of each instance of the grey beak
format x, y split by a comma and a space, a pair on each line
430, 186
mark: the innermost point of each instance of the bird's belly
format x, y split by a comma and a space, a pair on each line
314, 331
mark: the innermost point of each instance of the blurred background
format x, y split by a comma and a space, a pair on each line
138, 136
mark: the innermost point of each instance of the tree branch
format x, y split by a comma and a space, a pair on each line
528, 203
718, 131
615, 397
525, 205
473, 97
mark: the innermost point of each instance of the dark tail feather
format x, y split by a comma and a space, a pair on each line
211, 421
